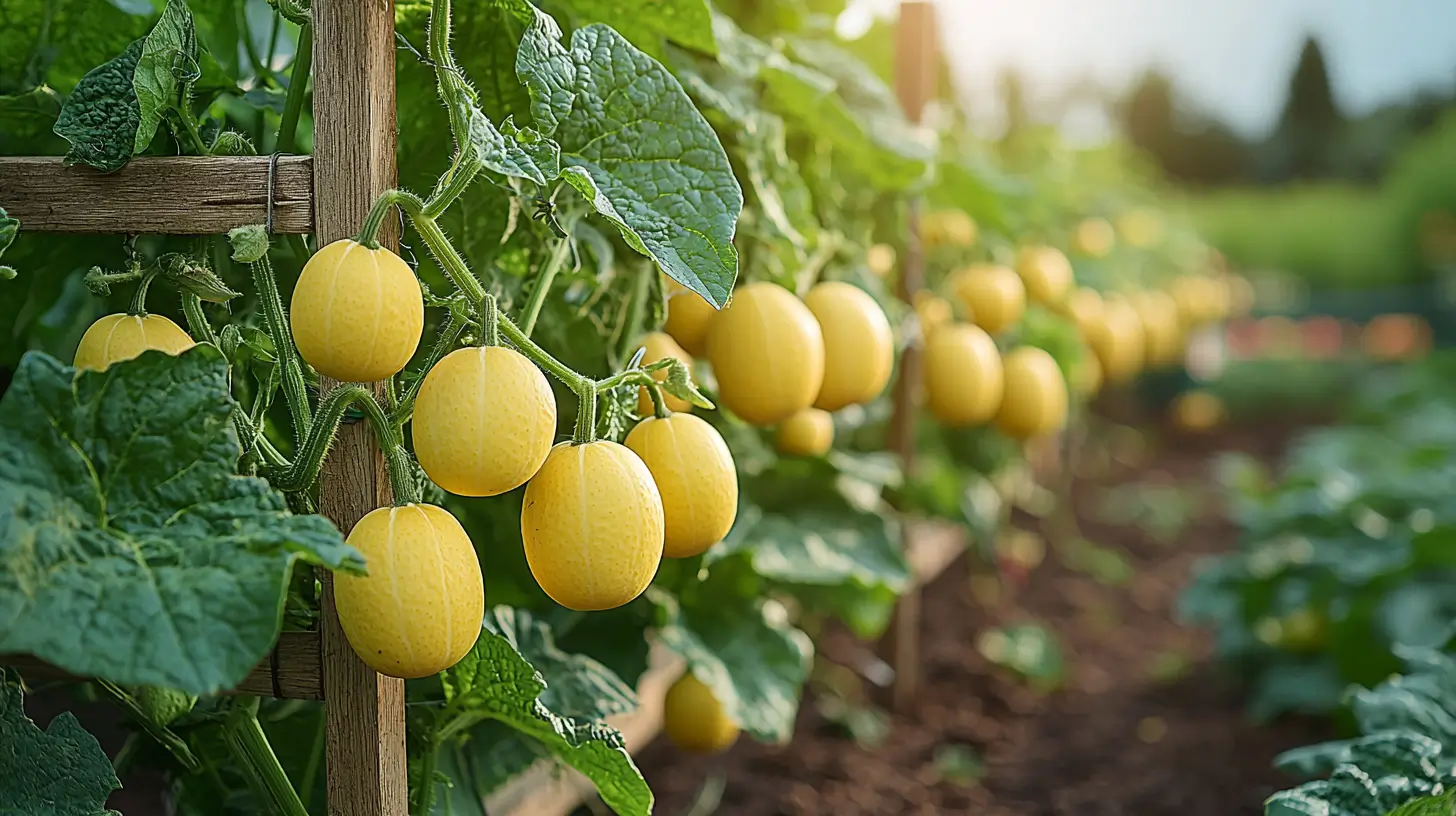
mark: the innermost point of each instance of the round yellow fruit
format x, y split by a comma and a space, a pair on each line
118, 337
1117, 340
859, 349
1201, 300
1093, 238
357, 313
807, 433
694, 719
1140, 228
660, 346
948, 228
592, 525
1198, 411
963, 375
1162, 332
1086, 310
695, 476
880, 258
688, 318
419, 609
1046, 272
1035, 398
932, 311
993, 296
484, 421
767, 353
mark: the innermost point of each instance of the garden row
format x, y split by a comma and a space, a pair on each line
613, 457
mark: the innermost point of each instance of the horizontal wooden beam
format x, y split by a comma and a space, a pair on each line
292, 671
178, 195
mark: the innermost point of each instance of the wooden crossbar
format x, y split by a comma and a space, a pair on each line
176, 195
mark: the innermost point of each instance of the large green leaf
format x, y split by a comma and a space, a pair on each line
497, 681
746, 651
60, 771
645, 159
114, 112
55, 43
130, 549
647, 23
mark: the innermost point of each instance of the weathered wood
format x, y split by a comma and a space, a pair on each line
290, 672
915, 60
545, 791
178, 195
354, 161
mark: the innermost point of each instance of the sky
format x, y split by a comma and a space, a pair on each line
1230, 57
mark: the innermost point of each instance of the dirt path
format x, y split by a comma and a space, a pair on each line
1143, 724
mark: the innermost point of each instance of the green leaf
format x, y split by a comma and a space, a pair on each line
114, 111
1442, 805
745, 650
9, 228
168, 61
26, 120
130, 549
646, 160
495, 681
101, 117
577, 686
544, 67
60, 771
825, 545
647, 23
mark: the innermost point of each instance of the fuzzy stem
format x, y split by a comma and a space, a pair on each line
543, 285
489, 321
443, 344
369, 233
197, 324
249, 746
586, 417
427, 779
456, 181
139, 300
295, 391
174, 744
309, 459
449, 260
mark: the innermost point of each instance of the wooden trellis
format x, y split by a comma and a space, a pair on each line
329, 194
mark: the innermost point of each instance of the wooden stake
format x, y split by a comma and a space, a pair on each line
915, 61
354, 161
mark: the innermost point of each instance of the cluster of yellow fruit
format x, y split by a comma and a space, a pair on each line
967, 380
785, 362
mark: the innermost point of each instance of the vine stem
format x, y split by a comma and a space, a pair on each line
295, 391
443, 344
633, 324
543, 285
297, 89
139, 300
250, 747
490, 321
427, 778
315, 447
197, 322
409, 202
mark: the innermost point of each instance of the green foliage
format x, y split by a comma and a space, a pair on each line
1346, 555
495, 681
60, 771
1405, 762
128, 519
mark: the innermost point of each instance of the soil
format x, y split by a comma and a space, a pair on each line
1145, 722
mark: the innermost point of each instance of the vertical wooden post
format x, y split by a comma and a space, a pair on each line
354, 161
915, 66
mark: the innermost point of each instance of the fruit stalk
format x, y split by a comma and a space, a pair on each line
295, 392
543, 285
315, 447
405, 200
197, 324
139, 300
249, 746
489, 321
